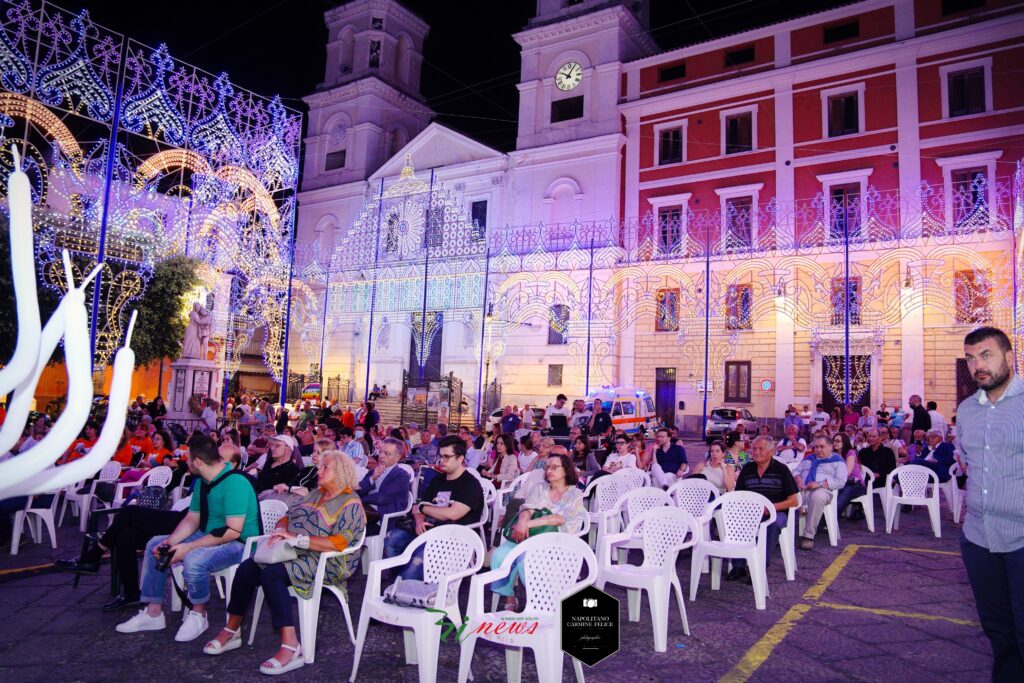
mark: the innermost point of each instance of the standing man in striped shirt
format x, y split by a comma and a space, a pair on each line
990, 431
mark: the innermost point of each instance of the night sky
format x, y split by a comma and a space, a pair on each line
471, 63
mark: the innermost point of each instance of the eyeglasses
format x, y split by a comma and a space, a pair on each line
621, 443
552, 467
446, 457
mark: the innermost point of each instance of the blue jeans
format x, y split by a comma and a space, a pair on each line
507, 585
774, 531
849, 492
395, 544
999, 593
197, 566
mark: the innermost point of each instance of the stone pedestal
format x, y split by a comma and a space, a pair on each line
190, 376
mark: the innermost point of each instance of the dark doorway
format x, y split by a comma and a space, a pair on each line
665, 395
965, 384
431, 338
833, 373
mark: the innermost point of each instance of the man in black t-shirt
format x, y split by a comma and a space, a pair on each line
455, 498
878, 458
600, 421
774, 481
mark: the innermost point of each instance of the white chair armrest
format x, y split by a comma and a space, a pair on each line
475, 604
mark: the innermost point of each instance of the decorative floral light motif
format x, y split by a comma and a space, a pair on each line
215, 178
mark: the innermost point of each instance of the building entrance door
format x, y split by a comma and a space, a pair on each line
665, 395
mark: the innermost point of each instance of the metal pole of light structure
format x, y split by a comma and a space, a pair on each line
590, 310
483, 340
846, 305
428, 234
707, 326
288, 308
323, 328
373, 292
101, 249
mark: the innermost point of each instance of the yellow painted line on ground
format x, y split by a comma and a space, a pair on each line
896, 613
831, 573
913, 550
763, 648
18, 570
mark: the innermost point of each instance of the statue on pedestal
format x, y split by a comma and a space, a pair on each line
197, 334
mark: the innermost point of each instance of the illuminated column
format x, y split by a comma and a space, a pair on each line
784, 349
909, 147
912, 335
784, 185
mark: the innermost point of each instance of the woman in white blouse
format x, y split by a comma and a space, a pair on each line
560, 497
716, 470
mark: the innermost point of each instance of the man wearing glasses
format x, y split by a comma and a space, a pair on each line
455, 498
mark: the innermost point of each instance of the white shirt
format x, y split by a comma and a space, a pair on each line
938, 422
627, 460
552, 410
791, 454
209, 417
581, 419
525, 458
820, 419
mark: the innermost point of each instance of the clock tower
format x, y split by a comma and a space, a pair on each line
571, 74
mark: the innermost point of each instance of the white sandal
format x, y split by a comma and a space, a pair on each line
215, 647
276, 668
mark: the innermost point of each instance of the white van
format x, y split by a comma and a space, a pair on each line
631, 408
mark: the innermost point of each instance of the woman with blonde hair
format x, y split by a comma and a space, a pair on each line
330, 518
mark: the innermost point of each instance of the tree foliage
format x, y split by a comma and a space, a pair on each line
160, 327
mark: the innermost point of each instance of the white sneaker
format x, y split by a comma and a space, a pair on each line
192, 627
143, 622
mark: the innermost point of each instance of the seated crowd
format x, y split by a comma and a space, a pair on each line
338, 472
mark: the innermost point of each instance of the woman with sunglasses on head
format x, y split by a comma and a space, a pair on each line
716, 470
855, 485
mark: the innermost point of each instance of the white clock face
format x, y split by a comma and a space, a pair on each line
569, 76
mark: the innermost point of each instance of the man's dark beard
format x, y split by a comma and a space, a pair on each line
996, 380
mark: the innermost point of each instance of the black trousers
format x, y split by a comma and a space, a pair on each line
997, 581
130, 532
274, 580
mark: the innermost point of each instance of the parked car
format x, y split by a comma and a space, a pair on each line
723, 420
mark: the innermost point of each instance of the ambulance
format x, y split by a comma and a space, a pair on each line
632, 409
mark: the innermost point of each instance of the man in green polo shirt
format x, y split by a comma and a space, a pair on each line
222, 514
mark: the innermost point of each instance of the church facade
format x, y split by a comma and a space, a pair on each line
816, 210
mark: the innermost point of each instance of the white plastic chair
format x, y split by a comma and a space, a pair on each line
450, 554
787, 538
490, 493
39, 516
179, 490
270, 512
603, 493
951, 492
309, 610
629, 505
552, 564
914, 482
694, 495
867, 501
664, 531
373, 549
158, 476
743, 534
84, 501
633, 477
523, 481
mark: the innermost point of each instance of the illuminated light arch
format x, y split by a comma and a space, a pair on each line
246, 180
170, 160
17, 106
